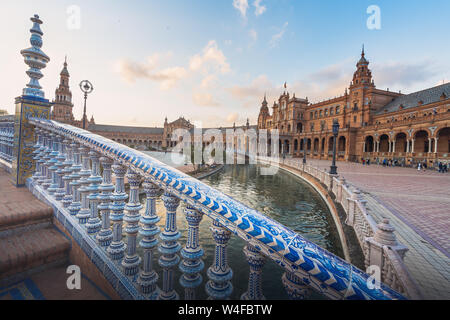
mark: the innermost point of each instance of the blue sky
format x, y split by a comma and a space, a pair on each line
212, 61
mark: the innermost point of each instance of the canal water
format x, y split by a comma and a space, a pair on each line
283, 197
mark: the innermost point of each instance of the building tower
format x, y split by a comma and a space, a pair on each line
263, 114
62, 104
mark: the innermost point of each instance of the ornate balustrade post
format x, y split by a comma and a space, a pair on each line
352, 203
192, 264
295, 287
148, 277
384, 236
256, 261
94, 223
132, 260
75, 200
85, 212
117, 248
219, 286
43, 157
47, 181
52, 165
39, 147
61, 164
104, 237
67, 173
169, 248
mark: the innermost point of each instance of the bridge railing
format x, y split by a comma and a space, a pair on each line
377, 241
74, 170
6, 141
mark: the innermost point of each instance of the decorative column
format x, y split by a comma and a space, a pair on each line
429, 145
44, 158
75, 201
393, 145
256, 261
59, 192
52, 165
219, 286
132, 216
48, 157
378, 146
192, 264
84, 213
94, 223
412, 146
32, 103
169, 247
436, 144
104, 237
37, 153
67, 174
295, 287
117, 248
148, 277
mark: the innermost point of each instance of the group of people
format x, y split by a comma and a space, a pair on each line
390, 163
442, 167
365, 162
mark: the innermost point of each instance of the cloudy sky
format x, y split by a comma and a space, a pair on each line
212, 61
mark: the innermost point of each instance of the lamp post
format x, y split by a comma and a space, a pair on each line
87, 88
333, 168
305, 141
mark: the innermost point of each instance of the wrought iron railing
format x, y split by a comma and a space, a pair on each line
88, 203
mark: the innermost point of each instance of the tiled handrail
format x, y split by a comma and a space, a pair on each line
365, 227
305, 263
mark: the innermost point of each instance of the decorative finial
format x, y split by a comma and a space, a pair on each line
35, 59
363, 51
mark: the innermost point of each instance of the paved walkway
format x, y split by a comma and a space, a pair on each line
417, 204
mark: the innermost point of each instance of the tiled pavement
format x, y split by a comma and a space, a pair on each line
418, 206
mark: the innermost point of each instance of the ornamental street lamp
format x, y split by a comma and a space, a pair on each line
87, 88
304, 150
333, 168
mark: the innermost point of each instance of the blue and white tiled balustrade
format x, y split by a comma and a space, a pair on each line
106, 221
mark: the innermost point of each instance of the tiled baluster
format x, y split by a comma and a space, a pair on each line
169, 248
94, 223
148, 277
47, 181
85, 212
42, 158
256, 261
38, 147
219, 286
53, 162
105, 235
295, 287
59, 192
75, 204
67, 174
132, 216
192, 264
117, 248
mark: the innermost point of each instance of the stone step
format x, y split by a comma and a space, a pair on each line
31, 250
24, 216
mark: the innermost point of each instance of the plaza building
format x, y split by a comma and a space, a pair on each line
374, 124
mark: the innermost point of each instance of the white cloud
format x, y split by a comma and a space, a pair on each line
241, 6
131, 71
276, 38
232, 117
208, 81
204, 100
211, 58
259, 9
